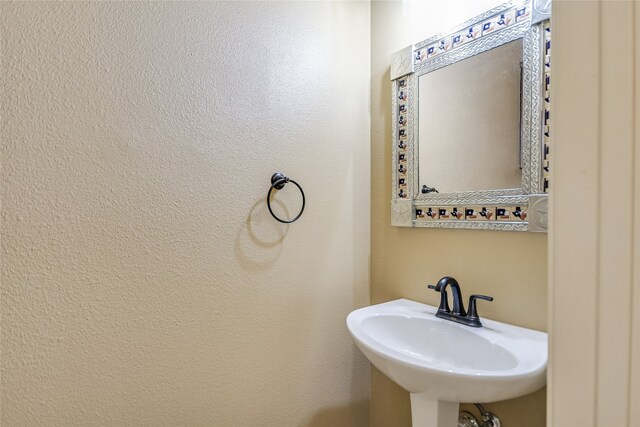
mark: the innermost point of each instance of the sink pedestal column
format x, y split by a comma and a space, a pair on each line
426, 412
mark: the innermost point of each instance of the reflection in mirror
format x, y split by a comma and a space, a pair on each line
469, 123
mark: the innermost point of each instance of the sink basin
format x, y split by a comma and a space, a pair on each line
442, 363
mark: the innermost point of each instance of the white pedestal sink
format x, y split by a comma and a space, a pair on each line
442, 363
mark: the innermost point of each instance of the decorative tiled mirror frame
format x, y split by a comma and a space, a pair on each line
520, 209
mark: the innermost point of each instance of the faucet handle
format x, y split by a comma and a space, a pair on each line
473, 311
484, 297
444, 300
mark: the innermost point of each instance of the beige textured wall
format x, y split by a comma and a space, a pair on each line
143, 280
510, 266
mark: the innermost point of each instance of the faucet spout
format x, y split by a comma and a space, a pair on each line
458, 307
458, 314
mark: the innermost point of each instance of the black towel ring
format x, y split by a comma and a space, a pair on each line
278, 181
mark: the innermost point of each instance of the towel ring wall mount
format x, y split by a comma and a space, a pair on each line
278, 181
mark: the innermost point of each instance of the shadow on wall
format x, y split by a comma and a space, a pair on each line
259, 241
341, 416
526, 411
357, 414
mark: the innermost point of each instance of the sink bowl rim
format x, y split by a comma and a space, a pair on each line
494, 331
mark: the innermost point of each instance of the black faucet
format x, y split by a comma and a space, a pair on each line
458, 314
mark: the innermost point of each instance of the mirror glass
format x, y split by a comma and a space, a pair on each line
469, 123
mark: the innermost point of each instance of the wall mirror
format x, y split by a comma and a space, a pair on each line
471, 124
